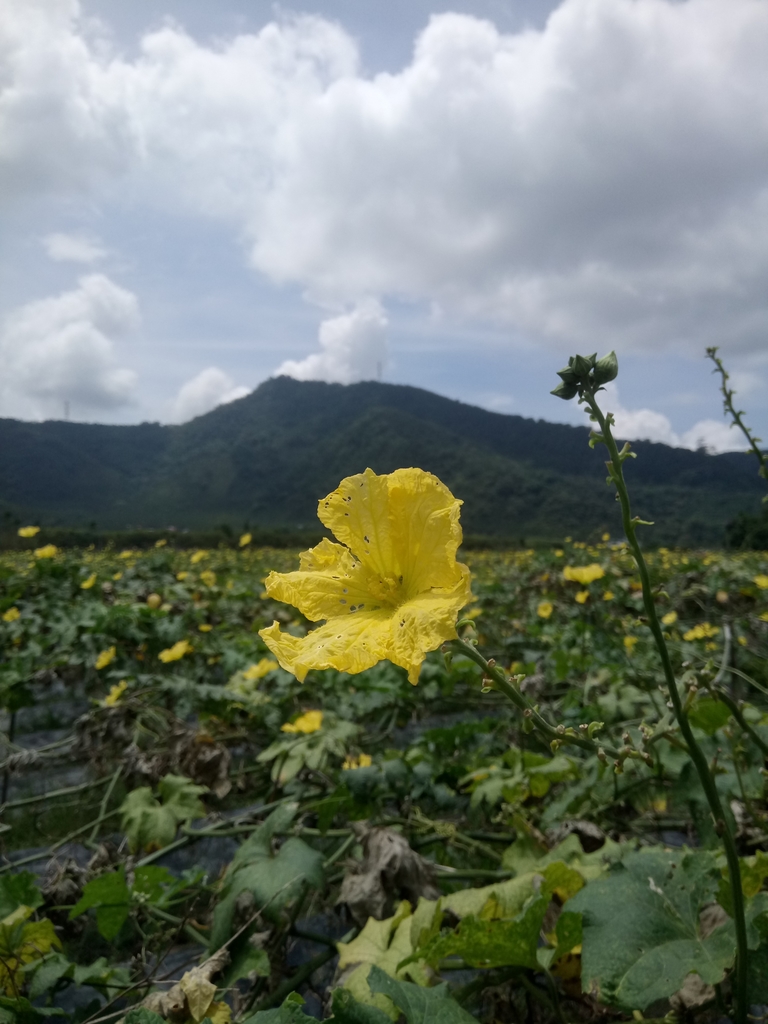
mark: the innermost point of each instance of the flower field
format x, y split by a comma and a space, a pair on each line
191, 833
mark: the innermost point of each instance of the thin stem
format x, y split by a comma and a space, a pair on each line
54, 793
697, 755
736, 414
521, 702
105, 801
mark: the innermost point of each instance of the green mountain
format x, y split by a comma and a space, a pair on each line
266, 459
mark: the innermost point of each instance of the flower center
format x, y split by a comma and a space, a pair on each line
387, 589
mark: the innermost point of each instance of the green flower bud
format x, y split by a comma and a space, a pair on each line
606, 368
568, 375
582, 365
566, 391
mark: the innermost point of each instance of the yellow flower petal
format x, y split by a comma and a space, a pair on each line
11, 615
47, 551
106, 657
28, 531
629, 643
608, 595
582, 597
393, 594
245, 540
544, 609
762, 581
87, 584
584, 573
307, 723
208, 577
198, 557
205, 627
260, 669
115, 694
179, 649
669, 618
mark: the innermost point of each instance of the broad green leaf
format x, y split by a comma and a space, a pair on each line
109, 895
181, 796
147, 824
289, 1013
19, 890
644, 950
273, 880
709, 714
347, 1010
419, 1005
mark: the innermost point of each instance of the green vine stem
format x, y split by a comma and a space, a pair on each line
736, 414
556, 736
587, 388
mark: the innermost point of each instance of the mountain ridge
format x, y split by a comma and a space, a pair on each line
267, 458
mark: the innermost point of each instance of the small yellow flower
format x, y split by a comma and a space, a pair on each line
260, 669
309, 722
126, 554
87, 584
761, 580
245, 540
175, 653
181, 576
11, 615
208, 577
669, 619
606, 537
559, 553
154, 601
544, 609
161, 543
582, 597
29, 531
363, 761
117, 576
701, 632
473, 613
608, 595
198, 557
390, 590
584, 573
115, 694
48, 551
629, 643
205, 627
764, 617
742, 640
106, 657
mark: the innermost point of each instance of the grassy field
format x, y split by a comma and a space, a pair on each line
170, 793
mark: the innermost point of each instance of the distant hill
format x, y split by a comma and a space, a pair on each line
266, 459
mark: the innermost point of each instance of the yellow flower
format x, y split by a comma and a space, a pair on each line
764, 617
208, 577
761, 580
87, 584
198, 557
544, 609
126, 554
584, 573
154, 601
309, 722
629, 643
29, 531
161, 543
701, 632
669, 619
11, 615
582, 597
559, 553
390, 590
363, 761
48, 551
115, 694
117, 576
608, 595
260, 669
181, 576
106, 657
606, 537
473, 613
245, 540
205, 627
175, 653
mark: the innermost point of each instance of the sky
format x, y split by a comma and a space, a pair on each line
197, 196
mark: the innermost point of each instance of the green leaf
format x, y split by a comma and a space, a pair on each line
289, 1013
147, 824
644, 951
709, 714
52, 969
110, 896
18, 891
419, 1005
143, 1016
347, 1010
272, 879
181, 796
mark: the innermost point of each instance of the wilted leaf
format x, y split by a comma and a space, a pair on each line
199, 990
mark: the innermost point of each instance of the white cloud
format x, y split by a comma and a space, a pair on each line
73, 248
354, 347
61, 349
600, 181
647, 425
211, 387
